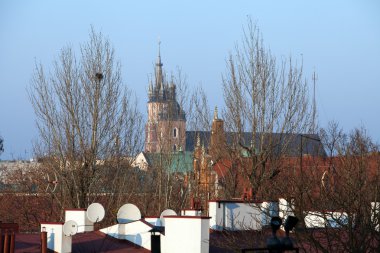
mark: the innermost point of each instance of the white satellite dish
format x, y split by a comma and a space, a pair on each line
95, 212
128, 213
167, 212
70, 228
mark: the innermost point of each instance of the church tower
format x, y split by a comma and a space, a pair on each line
165, 130
217, 148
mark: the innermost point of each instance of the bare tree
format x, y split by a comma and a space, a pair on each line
199, 114
1, 145
340, 194
262, 96
349, 187
88, 123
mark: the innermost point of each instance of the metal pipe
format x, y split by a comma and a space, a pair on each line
6, 242
43, 242
13, 239
1, 241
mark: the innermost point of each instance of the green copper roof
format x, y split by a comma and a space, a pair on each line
181, 161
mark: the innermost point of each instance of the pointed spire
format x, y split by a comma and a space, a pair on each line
198, 140
150, 89
216, 113
159, 54
203, 155
150, 86
159, 76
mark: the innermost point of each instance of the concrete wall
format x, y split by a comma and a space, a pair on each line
235, 215
56, 240
285, 208
325, 219
375, 209
191, 212
186, 234
155, 221
80, 217
136, 232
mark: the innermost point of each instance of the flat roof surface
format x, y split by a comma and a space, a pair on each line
84, 242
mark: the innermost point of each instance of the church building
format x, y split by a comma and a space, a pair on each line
165, 129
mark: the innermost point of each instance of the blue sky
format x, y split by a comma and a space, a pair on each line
339, 39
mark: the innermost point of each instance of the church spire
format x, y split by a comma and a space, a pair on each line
159, 76
216, 113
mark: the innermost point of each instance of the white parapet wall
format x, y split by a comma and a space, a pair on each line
191, 212
56, 240
268, 209
333, 219
80, 217
136, 232
186, 234
375, 217
153, 220
285, 208
235, 215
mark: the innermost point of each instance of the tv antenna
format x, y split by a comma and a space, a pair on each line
52, 182
128, 213
314, 78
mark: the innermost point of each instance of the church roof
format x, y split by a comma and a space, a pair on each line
286, 144
181, 161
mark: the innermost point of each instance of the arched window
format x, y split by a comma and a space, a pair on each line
174, 147
175, 132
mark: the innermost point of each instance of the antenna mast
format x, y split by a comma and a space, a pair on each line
315, 78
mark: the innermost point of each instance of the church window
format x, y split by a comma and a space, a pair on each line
174, 147
175, 132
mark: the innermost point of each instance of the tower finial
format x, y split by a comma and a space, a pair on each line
159, 53
159, 76
159, 47
216, 113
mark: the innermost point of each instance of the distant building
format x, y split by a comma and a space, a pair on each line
166, 126
205, 155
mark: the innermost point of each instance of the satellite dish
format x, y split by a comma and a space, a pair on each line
128, 213
167, 212
95, 212
70, 228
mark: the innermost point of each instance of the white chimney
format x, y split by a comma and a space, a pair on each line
56, 240
190, 234
80, 217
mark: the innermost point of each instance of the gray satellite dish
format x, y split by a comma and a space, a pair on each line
167, 212
128, 213
70, 228
95, 212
